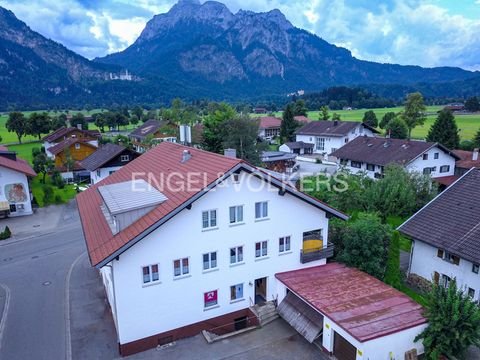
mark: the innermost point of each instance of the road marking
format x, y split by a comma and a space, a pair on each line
68, 335
5, 311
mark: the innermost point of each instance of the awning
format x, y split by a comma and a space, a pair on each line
301, 316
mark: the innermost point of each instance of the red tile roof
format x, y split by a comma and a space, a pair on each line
466, 161
58, 148
302, 119
360, 304
268, 122
154, 167
19, 165
446, 180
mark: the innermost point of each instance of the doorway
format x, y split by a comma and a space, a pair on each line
260, 290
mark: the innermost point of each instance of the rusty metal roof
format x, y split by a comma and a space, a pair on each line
362, 305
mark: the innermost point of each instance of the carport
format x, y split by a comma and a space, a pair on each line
356, 315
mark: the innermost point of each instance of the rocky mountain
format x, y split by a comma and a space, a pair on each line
206, 45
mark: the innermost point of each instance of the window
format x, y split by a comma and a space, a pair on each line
236, 214
445, 281
436, 155
180, 267
370, 167
356, 164
210, 260
124, 158
343, 162
261, 249
445, 255
425, 156
471, 292
475, 268
284, 244
444, 168
333, 150
236, 292
150, 274
111, 172
427, 171
236, 178
346, 140
261, 210
236, 255
361, 129
320, 142
209, 219
77, 146
210, 298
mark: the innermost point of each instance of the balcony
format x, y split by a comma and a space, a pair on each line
316, 254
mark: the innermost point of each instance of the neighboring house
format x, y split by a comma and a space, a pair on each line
350, 314
329, 136
63, 133
278, 161
446, 236
302, 119
179, 254
468, 160
371, 156
155, 131
269, 127
68, 154
260, 110
106, 160
297, 147
15, 196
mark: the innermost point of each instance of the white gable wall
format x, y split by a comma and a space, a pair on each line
101, 173
443, 159
147, 310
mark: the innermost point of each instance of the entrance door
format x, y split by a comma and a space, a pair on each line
342, 349
260, 290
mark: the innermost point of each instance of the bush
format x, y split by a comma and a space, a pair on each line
5, 234
58, 199
57, 180
467, 145
35, 152
392, 275
48, 195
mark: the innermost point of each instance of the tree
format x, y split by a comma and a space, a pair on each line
42, 165
392, 274
99, 121
414, 112
134, 120
324, 113
453, 323
336, 117
79, 119
370, 119
472, 104
17, 123
241, 133
288, 125
58, 122
476, 139
137, 111
38, 124
397, 129
299, 108
389, 116
444, 130
213, 134
365, 241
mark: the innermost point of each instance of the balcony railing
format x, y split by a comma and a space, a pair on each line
316, 254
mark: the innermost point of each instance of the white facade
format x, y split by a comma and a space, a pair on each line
328, 144
425, 262
172, 302
101, 173
15, 190
437, 163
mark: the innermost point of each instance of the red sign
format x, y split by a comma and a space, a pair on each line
210, 298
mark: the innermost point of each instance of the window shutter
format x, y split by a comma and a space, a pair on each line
456, 260
436, 277
440, 253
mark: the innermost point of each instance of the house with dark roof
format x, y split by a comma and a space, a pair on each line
15, 196
63, 133
199, 235
446, 236
297, 147
269, 127
328, 136
155, 130
108, 159
370, 155
68, 154
467, 160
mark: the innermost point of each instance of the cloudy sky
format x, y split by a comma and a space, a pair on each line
419, 32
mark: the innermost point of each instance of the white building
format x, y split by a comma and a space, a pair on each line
328, 136
371, 156
446, 236
15, 196
188, 240
107, 160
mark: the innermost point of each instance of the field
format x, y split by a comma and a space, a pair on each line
25, 150
468, 124
64, 195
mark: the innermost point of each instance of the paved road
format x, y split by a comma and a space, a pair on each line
34, 270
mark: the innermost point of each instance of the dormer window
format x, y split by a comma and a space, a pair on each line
77, 146
124, 158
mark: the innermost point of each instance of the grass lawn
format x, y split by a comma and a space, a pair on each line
24, 151
65, 194
419, 298
468, 124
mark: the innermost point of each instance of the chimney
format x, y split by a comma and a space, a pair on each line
231, 153
475, 154
79, 126
186, 155
335, 122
